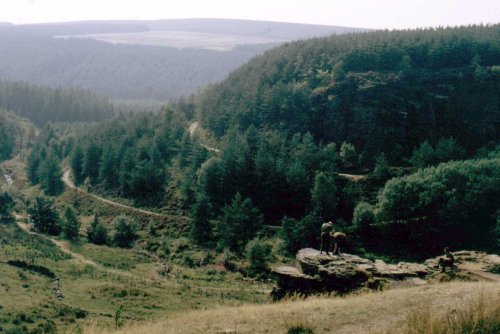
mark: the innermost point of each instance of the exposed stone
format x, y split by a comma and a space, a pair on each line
315, 272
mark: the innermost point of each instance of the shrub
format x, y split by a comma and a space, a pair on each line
258, 254
97, 232
125, 232
301, 233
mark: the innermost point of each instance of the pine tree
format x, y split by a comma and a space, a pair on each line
201, 212
43, 216
381, 172
323, 195
77, 164
71, 224
49, 175
239, 223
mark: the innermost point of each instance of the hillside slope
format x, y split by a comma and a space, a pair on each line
382, 91
365, 313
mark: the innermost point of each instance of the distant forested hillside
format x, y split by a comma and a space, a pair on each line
42, 104
382, 91
142, 72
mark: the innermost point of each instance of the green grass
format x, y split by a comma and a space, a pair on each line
111, 257
123, 278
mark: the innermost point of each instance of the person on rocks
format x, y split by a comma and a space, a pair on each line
338, 240
326, 234
448, 260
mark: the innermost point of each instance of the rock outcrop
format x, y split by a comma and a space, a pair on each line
315, 272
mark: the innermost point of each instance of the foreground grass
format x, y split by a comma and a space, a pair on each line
478, 314
364, 313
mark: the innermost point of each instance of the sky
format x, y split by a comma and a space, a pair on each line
379, 14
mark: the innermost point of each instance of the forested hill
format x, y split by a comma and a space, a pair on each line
42, 104
140, 60
382, 91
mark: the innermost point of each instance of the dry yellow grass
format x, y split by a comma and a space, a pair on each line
478, 314
365, 313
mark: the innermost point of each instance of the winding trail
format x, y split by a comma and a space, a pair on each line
352, 177
192, 129
62, 245
67, 181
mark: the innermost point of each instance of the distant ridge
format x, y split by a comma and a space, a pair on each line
141, 61
282, 30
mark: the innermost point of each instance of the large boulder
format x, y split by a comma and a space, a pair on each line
315, 272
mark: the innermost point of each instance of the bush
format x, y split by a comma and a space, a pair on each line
363, 220
302, 233
125, 232
163, 250
258, 254
97, 232
454, 204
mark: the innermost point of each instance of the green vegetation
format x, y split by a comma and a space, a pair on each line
70, 224
43, 215
120, 278
6, 206
453, 204
16, 133
312, 113
370, 131
379, 91
42, 104
125, 232
97, 232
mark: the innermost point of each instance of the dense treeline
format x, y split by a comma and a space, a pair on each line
382, 91
134, 72
131, 157
42, 104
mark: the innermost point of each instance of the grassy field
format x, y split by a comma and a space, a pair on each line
389, 311
123, 279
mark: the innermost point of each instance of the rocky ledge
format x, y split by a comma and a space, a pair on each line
315, 272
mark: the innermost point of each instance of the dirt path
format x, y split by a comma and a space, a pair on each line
353, 177
192, 129
67, 181
62, 245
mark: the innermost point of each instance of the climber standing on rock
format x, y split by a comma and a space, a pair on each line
326, 234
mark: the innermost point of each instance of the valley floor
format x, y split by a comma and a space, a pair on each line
364, 313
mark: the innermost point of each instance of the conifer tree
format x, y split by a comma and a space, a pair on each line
71, 224
43, 215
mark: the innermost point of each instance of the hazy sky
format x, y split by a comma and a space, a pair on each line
355, 13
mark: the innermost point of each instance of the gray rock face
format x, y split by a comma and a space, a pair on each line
315, 272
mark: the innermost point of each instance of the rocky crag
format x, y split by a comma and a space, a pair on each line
317, 273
